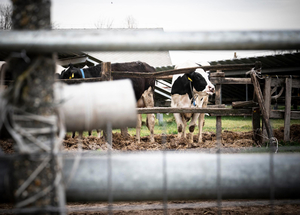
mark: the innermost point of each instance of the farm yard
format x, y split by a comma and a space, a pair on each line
243, 158
236, 135
237, 138
236, 132
229, 135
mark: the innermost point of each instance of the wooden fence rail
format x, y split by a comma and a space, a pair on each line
214, 111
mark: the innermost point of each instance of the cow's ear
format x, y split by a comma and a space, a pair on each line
191, 75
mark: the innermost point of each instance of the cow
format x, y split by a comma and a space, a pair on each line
143, 87
190, 90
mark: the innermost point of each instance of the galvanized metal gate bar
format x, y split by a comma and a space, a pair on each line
144, 40
140, 176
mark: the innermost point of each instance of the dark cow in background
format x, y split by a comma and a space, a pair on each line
190, 90
74, 72
143, 87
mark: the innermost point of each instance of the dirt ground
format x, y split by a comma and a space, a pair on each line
231, 140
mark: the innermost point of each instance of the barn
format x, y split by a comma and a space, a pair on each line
277, 64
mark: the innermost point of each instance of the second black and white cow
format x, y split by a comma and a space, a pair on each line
143, 87
190, 90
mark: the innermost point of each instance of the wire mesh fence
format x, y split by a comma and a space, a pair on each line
110, 175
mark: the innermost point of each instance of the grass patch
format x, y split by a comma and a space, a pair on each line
235, 124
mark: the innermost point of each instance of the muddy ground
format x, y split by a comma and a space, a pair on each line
231, 140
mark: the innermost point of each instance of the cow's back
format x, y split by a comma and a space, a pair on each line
139, 84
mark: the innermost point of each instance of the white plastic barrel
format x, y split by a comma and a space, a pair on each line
88, 106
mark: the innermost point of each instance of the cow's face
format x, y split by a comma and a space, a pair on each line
201, 82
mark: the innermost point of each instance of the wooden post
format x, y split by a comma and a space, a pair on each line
106, 71
219, 73
256, 125
106, 76
36, 169
267, 103
287, 114
261, 103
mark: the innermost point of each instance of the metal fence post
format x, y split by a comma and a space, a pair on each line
37, 176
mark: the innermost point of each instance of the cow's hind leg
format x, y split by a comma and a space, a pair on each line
201, 125
138, 128
150, 122
149, 103
99, 133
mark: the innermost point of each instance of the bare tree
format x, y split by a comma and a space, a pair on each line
5, 16
54, 25
104, 23
131, 22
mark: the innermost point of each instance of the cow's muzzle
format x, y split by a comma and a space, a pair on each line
211, 89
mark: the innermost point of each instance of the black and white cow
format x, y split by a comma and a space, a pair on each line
143, 87
74, 72
190, 90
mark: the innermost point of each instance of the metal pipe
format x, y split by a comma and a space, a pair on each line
90, 106
146, 40
139, 176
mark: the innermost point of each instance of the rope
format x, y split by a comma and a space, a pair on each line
256, 72
272, 139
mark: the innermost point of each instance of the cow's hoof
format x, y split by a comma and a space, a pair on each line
192, 128
179, 128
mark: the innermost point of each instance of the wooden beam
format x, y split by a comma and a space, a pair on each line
279, 114
214, 80
267, 104
256, 125
287, 115
219, 131
106, 76
219, 111
243, 104
276, 82
223, 80
180, 71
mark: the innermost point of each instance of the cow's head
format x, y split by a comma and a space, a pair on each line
200, 81
71, 72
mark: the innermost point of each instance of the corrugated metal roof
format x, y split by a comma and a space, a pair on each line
284, 64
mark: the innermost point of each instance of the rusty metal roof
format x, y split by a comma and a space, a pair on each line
283, 64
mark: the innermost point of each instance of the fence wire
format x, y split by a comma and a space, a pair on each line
75, 171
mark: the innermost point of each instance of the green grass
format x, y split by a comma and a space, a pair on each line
236, 124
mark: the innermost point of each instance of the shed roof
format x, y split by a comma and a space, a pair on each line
283, 64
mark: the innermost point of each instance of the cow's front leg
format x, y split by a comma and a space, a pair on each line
192, 126
138, 128
180, 124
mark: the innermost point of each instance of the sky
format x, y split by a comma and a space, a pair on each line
178, 15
